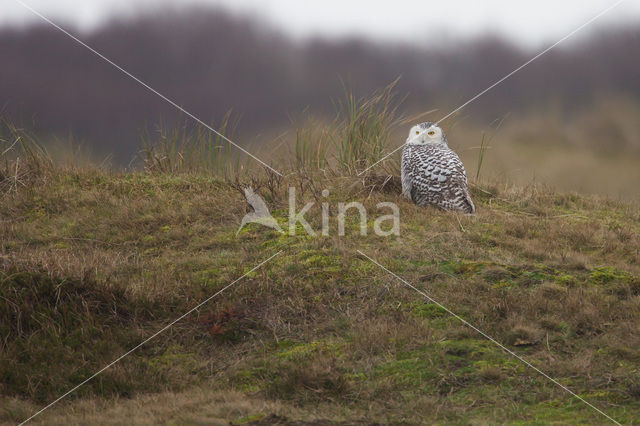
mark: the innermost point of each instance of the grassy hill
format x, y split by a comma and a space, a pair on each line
94, 262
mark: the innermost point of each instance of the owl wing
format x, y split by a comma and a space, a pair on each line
405, 173
438, 177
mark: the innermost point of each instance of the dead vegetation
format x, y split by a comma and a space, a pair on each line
94, 261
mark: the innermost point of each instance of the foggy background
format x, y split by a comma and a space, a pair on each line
270, 61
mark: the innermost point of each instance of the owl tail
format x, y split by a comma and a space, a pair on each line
468, 206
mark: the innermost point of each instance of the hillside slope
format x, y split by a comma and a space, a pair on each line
93, 263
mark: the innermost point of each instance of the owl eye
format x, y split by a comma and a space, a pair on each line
431, 133
417, 132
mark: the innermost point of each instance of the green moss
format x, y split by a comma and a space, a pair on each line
464, 348
429, 311
249, 419
465, 267
565, 279
172, 357
286, 344
502, 285
304, 350
251, 380
609, 274
415, 372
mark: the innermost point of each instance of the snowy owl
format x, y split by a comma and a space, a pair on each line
432, 173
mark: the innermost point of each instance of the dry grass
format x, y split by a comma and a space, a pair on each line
188, 150
595, 151
92, 261
23, 162
554, 276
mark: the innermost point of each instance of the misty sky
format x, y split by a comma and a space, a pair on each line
399, 20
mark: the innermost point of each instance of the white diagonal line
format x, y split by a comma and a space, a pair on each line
532, 59
572, 33
100, 55
165, 328
491, 339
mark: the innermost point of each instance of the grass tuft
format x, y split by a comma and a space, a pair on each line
364, 128
188, 150
23, 161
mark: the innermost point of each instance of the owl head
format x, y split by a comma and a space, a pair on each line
425, 133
